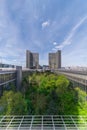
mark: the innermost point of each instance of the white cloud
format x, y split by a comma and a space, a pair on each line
59, 47
79, 23
68, 40
45, 24
54, 43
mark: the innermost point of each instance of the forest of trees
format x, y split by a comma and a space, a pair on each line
44, 94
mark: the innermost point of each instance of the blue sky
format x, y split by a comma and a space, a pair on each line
43, 26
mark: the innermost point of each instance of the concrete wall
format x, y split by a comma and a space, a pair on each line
19, 77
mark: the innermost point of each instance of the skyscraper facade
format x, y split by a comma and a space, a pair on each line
32, 60
55, 60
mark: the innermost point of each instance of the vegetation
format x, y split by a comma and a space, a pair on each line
12, 103
47, 93
44, 93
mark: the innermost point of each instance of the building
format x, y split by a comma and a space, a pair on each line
45, 68
10, 78
55, 60
6, 65
32, 60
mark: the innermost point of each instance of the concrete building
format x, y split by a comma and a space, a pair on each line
9, 78
55, 60
32, 60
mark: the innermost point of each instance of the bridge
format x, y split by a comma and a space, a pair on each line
77, 77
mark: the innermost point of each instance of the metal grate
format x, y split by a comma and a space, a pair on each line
43, 122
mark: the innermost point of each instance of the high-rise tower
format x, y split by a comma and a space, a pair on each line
32, 60
55, 60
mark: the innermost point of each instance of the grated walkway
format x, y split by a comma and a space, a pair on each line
43, 122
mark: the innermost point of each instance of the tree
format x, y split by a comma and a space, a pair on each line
13, 103
48, 93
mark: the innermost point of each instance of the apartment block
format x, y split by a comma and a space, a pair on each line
32, 60
55, 60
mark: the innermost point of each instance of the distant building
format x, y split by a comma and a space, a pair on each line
55, 60
6, 65
32, 60
45, 67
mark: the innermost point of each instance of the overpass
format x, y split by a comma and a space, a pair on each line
78, 77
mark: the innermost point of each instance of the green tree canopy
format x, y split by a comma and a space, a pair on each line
13, 103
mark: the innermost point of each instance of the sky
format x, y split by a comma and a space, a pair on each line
43, 26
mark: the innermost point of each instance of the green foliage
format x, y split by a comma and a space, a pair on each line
12, 87
13, 103
62, 83
82, 101
48, 93
40, 104
42, 94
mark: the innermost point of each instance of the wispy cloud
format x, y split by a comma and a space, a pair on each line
45, 24
68, 40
